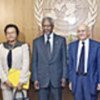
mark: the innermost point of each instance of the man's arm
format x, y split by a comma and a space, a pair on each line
98, 66
70, 66
34, 66
64, 59
34, 62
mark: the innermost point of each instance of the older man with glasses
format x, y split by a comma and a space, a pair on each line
84, 65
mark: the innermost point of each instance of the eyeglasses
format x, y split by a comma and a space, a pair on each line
46, 25
81, 31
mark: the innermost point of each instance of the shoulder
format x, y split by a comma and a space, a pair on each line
36, 40
73, 43
22, 45
1, 44
59, 37
95, 43
25, 45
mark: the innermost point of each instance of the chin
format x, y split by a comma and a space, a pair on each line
82, 38
11, 40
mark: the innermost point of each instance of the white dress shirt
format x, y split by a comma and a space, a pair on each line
50, 40
86, 44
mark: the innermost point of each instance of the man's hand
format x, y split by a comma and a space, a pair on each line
70, 86
19, 86
98, 87
63, 82
8, 84
36, 85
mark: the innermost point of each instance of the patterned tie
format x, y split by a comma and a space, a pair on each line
48, 47
9, 59
81, 61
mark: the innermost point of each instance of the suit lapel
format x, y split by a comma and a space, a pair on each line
76, 51
43, 48
55, 46
90, 52
55, 42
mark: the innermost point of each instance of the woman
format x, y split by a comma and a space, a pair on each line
13, 54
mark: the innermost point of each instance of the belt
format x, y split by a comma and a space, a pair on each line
81, 74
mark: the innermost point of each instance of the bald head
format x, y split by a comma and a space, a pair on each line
83, 32
83, 26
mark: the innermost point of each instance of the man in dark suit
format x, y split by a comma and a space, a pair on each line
49, 62
84, 64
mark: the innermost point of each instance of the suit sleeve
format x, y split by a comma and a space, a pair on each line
34, 62
25, 64
70, 64
98, 64
64, 59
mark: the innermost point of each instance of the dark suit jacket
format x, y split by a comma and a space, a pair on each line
93, 64
49, 70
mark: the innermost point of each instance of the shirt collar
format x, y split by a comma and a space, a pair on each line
51, 36
85, 41
8, 46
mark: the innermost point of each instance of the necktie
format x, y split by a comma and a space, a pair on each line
9, 59
81, 60
48, 47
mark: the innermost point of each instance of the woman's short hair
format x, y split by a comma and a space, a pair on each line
11, 26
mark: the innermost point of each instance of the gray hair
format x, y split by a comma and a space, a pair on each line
51, 21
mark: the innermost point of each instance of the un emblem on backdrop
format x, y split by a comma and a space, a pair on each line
68, 14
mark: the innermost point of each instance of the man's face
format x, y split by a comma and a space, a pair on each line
82, 32
11, 34
47, 28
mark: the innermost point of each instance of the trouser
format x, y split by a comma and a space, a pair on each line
83, 89
50, 93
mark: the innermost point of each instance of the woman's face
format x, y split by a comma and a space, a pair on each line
11, 34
